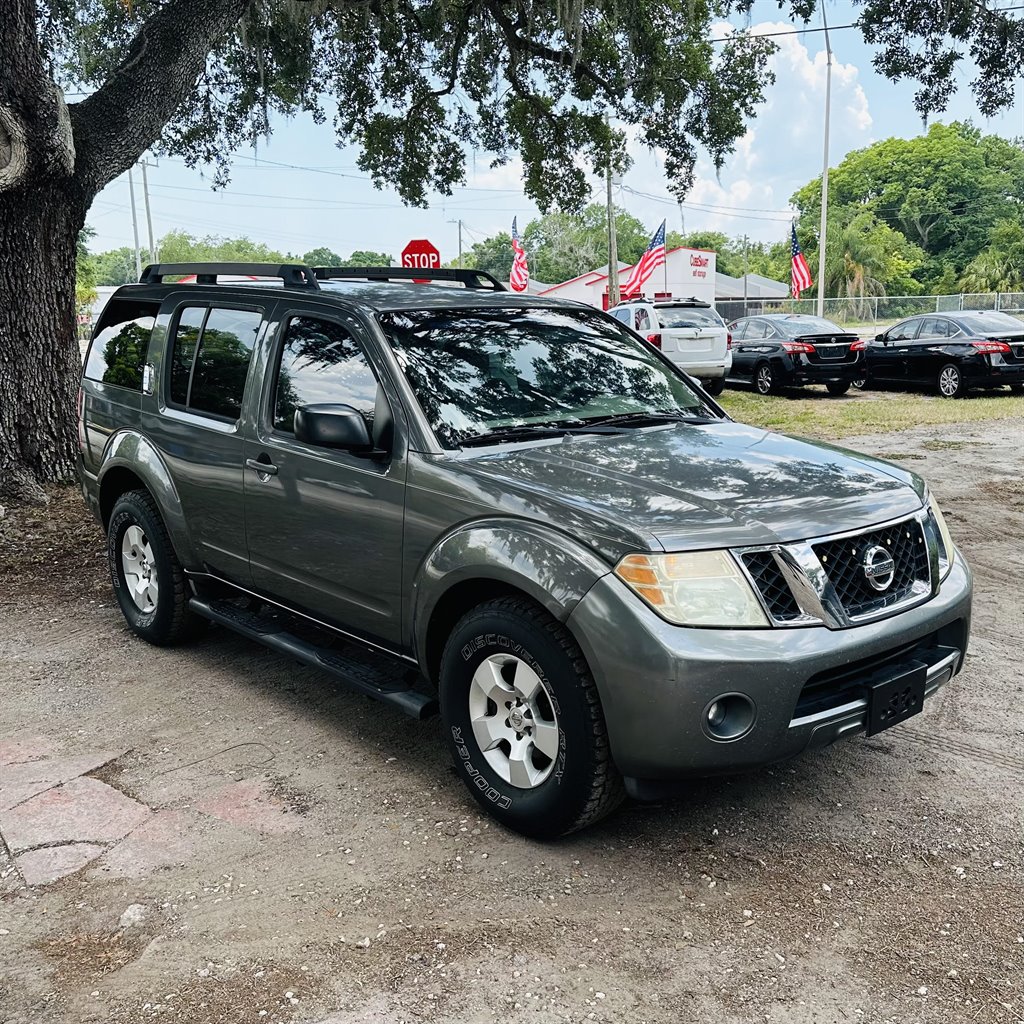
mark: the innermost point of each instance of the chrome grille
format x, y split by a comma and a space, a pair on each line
843, 560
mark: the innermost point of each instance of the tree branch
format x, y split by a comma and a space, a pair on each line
126, 115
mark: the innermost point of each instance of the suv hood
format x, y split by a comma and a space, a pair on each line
689, 486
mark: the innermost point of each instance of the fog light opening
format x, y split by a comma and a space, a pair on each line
729, 717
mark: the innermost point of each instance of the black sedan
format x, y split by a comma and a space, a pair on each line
951, 351
779, 350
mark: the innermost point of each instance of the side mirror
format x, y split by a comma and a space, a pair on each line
881, 338
333, 426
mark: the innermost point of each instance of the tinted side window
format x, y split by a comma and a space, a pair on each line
738, 330
186, 338
903, 332
755, 329
119, 350
321, 363
222, 362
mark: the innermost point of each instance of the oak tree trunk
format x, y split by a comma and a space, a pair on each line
39, 356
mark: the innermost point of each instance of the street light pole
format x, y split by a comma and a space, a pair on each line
613, 245
824, 170
149, 216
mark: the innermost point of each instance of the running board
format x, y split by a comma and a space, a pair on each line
374, 675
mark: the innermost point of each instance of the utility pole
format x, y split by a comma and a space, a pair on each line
746, 272
149, 216
824, 170
613, 248
459, 222
135, 225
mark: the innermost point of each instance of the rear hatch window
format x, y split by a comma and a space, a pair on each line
687, 316
119, 348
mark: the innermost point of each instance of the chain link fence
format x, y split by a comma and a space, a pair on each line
874, 310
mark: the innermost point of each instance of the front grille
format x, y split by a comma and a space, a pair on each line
843, 561
768, 579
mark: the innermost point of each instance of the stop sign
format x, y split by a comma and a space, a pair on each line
421, 254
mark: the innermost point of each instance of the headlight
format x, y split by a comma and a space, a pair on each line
697, 588
946, 549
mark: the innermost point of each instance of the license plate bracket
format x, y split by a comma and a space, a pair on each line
897, 698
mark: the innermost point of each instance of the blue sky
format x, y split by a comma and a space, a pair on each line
273, 199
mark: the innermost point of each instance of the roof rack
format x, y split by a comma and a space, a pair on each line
292, 275
479, 279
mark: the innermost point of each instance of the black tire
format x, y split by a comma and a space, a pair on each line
837, 388
1017, 389
169, 621
715, 386
764, 379
950, 382
582, 783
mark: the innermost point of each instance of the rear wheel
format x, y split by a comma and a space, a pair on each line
951, 382
764, 379
524, 722
148, 579
837, 388
1017, 389
715, 386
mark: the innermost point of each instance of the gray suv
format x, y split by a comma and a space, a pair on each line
511, 510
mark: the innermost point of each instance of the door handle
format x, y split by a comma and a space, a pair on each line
266, 468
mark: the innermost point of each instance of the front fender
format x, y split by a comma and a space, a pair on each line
129, 450
551, 567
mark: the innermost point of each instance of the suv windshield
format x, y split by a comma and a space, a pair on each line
687, 316
475, 371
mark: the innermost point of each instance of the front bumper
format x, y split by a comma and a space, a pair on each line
656, 680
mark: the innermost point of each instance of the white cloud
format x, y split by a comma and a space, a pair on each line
780, 151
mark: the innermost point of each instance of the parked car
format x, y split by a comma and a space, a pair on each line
514, 511
952, 352
688, 331
780, 350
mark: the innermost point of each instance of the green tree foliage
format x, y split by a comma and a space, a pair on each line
493, 255
367, 258
323, 257
85, 273
562, 245
181, 247
944, 191
1000, 266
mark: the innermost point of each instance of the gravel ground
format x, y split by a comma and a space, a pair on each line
248, 842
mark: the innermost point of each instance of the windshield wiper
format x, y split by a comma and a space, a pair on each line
520, 433
644, 419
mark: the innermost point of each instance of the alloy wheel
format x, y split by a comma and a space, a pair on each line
764, 379
137, 563
514, 720
949, 381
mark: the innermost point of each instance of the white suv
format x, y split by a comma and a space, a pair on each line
688, 331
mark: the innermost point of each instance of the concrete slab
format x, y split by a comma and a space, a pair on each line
168, 839
38, 867
20, 780
249, 804
24, 748
83, 810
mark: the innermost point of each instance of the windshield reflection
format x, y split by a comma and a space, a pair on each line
480, 370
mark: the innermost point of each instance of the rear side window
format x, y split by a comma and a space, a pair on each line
210, 359
119, 350
321, 363
687, 316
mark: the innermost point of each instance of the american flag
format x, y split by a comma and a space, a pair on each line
801, 272
653, 257
519, 276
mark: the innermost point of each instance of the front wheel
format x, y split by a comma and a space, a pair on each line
524, 722
715, 386
148, 579
837, 388
764, 381
951, 382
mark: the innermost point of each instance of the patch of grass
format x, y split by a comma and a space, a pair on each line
813, 413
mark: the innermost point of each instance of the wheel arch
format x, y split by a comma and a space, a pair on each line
132, 462
479, 562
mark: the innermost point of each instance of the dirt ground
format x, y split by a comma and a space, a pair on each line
235, 838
